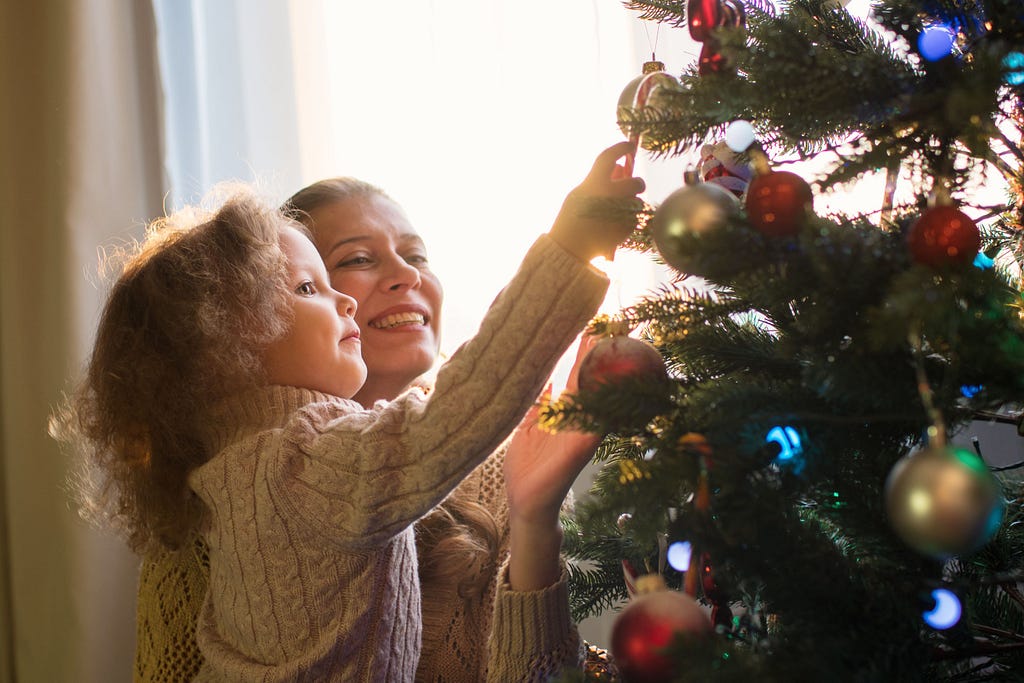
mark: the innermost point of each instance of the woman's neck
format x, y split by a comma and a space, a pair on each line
381, 389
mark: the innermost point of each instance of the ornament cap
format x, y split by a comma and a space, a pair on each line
650, 583
652, 66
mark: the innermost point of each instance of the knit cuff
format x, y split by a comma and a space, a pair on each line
532, 623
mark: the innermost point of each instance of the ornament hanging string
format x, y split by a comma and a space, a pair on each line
892, 174
937, 430
654, 45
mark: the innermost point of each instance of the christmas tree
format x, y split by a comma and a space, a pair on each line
785, 459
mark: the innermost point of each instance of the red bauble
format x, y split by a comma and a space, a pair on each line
944, 236
647, 625
621, 360
778, 203
624, 383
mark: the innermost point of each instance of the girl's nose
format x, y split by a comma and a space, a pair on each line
346, 305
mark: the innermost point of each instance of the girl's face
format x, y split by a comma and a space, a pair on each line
321, 350
374, 255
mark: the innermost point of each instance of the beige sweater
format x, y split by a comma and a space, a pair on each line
455, 631
312, 499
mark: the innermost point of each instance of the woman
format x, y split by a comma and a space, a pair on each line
489, 555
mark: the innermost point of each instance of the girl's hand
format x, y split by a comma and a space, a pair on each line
601, 211
540, 468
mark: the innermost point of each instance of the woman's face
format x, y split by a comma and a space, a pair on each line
374, 255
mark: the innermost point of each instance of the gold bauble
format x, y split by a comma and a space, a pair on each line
943, 501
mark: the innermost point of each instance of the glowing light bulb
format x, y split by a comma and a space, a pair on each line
679, 555
739, 135
946, 612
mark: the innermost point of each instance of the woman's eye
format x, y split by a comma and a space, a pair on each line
353, 261
306, 289
416, 259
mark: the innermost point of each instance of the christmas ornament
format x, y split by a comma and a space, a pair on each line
623, 364
943, 501
648, 624
627, 99
619, 358
691, 210
703, 16
935, 42
944, 236
638, 94
778, 203
719, 166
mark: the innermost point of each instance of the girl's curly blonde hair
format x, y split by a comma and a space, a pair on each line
183, 326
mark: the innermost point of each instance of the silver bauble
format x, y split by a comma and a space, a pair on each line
693, 209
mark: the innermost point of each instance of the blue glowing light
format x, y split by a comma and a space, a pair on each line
982, 261
935, 42
971, 390
679, 555
946, 612
788, 440
1014, 63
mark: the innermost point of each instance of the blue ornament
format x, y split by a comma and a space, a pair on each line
935, 42
982, 261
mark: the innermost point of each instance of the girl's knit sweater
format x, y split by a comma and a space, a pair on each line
312, 499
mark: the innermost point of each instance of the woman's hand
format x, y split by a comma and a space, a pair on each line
602, 210
540, 468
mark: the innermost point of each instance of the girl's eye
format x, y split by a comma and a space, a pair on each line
306, 289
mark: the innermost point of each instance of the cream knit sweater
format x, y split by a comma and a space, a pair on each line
312, 499
455, 631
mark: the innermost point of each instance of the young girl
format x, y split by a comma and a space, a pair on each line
225, 360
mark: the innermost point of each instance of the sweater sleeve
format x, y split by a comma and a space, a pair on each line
532, 636
172, 586
363, 477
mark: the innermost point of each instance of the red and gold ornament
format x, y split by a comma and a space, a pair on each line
944, 237
648, 624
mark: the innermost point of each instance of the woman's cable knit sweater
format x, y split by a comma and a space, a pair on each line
312, 499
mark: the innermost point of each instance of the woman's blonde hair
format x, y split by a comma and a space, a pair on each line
457, 541
183, 326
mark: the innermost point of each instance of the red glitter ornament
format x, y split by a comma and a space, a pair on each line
944, 236
648, 624
778, 203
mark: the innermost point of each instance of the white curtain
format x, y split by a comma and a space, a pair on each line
81, 167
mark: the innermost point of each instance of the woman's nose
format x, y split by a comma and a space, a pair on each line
401, 275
